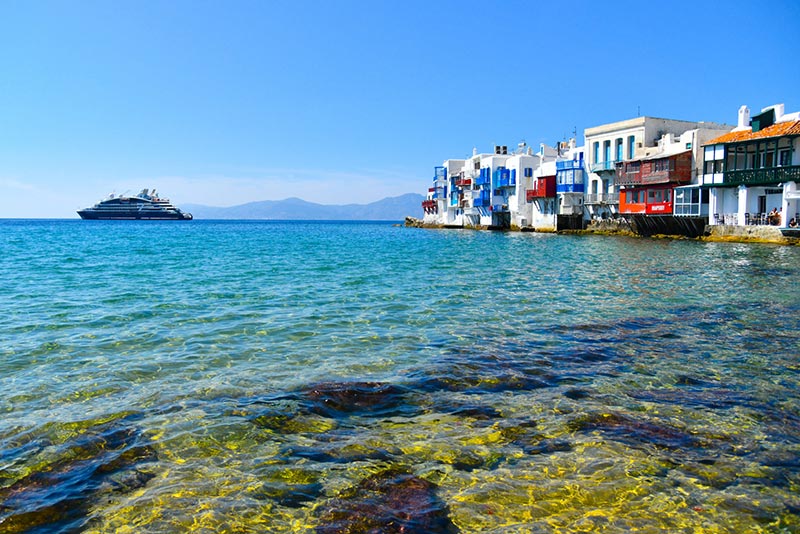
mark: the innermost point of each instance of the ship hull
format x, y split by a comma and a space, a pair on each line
133, 216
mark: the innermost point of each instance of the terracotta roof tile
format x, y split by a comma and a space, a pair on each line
776, 130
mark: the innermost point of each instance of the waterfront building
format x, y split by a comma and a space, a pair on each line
520, 169
540, 194
617, 142
664, 180
486, 189
570, 185
754, 169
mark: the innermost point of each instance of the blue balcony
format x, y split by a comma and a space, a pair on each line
568, 165
570, 180
484, 178
570, 188
483, 200
440, 175
505, 177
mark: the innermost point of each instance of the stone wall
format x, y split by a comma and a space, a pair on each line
748, 234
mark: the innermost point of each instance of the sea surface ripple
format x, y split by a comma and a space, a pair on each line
331, 377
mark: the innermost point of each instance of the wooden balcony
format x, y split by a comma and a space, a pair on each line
773, 175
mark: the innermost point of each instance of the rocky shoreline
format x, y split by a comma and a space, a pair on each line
620, 227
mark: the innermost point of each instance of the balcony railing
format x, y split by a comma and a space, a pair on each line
569, 164
606, 198
762, 176
604, 166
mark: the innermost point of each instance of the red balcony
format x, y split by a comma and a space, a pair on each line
544, 187
464, 182
429, 206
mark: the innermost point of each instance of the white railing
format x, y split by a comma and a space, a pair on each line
604, 198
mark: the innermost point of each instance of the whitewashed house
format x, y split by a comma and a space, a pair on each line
571, 178
614, 143
755, 169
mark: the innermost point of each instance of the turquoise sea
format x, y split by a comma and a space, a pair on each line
364, 377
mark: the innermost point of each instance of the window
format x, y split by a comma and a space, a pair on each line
661, 165
619, 149
528, 172
596, 152
631, 141
785, 157
606, 150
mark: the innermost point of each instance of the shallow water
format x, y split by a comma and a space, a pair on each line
342, 377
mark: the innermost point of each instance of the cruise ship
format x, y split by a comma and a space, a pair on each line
146, 205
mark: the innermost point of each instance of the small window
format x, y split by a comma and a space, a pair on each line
689, 145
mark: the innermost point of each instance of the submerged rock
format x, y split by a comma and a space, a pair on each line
488, 374
635, 432
290, 495
393, 501
373, 399
58, 496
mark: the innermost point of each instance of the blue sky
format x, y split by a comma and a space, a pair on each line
223, 103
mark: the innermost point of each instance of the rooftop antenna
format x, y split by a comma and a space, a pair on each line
638, 113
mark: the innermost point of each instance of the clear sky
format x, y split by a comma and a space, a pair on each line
227, 102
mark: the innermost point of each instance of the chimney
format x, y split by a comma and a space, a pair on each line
744, 119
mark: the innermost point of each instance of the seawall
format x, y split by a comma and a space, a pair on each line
621, 227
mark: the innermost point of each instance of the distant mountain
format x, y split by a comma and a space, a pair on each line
388, 209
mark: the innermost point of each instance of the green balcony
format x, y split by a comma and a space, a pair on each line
763, 176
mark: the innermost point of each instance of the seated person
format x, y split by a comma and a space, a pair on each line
793, 223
